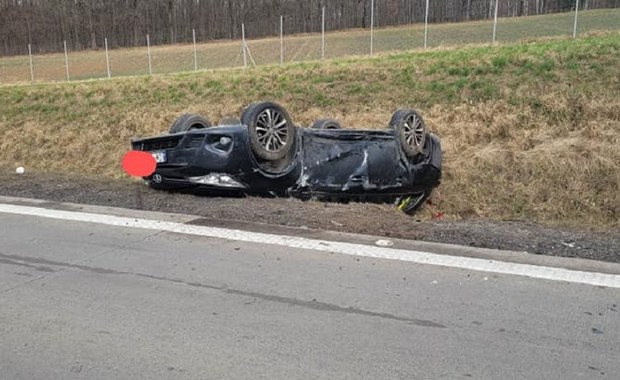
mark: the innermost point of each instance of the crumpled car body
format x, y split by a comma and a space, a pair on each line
344, 164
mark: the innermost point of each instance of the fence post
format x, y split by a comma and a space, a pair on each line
576, 12
66, 60
323, 34
426, 25
148, 50
495, 21
372, 24
195, 53
243, 47
281, 39
107, 57
31, 65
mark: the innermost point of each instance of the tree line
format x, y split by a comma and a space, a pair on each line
84, 24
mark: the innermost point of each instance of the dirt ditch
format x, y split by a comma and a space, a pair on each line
372, 219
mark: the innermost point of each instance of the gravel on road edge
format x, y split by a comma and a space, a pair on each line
361, 218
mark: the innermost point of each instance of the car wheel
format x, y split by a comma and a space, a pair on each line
188, 122
326, 124
271, 130
410, 204
411, 131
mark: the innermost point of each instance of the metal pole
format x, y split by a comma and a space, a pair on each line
148, 49
281, 39
107, 58
426, 25
323, 35
195, 53
372, 24
244, 47
576, 12
31, 65
495, 21
66, 60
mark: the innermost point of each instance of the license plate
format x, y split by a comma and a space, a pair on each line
159, 156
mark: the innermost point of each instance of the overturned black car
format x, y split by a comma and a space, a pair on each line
265, 154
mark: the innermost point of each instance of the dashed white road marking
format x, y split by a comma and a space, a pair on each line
419, 257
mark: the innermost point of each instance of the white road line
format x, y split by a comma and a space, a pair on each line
540, 272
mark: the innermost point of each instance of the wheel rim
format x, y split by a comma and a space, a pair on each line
272, 130
413, 131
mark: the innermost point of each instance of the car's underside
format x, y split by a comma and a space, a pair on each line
264, 154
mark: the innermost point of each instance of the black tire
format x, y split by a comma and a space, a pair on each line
271, 130
410, 204
411, 131
326, 124
189, 121
247, 110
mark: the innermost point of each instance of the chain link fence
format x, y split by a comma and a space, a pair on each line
247, 52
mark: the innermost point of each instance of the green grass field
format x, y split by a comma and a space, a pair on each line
227, 54
529, 131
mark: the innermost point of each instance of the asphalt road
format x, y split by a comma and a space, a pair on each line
89, 301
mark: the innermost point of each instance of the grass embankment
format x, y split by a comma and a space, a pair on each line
529, 131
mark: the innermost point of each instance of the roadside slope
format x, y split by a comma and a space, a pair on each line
529, 131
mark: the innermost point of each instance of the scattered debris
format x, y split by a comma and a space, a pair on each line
337, 224
569, 244
384, 243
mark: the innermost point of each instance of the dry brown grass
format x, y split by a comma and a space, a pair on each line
529, 131
544, 172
